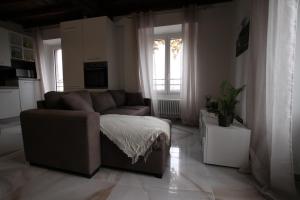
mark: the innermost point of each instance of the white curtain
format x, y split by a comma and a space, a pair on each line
40, 61
282, 28
145, 29
190, 71
269, 83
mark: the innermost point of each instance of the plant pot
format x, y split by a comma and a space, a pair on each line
225, 120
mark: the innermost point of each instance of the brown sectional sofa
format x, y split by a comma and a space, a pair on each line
64, 133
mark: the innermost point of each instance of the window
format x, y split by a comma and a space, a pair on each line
58, 70
167, 64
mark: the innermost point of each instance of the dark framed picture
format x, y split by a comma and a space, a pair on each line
242, 42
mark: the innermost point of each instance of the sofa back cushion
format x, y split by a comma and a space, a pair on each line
134, 99
53, 99
102, 101
119, 97
74, 101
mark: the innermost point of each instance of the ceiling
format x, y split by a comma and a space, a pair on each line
31, 13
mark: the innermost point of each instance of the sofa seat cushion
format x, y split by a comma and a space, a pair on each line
129, 110
74, 101
102, 101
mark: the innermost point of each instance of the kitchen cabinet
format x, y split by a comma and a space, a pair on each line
4, 48
95, 39
21, 47
15, 46
72, 51
29, 93
9, 103
88, 40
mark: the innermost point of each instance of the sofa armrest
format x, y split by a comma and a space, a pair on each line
147, 102
62, 139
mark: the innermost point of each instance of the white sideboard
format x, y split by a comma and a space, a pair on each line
28, 94
9, 103
13, 100
226, 146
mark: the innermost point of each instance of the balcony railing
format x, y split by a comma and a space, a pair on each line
171, 86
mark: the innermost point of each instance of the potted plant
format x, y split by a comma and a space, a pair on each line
227, 102
211, 104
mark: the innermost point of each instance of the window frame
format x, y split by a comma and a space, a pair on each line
167, 37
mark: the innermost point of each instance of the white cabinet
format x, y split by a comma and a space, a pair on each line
15, 100
88, 40
9, 103
29, 94
21, 47
4, 48
95, 39
226, 146
72, 51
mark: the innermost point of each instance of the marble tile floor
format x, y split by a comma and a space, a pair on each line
186, 178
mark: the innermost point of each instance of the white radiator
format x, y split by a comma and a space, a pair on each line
169, 108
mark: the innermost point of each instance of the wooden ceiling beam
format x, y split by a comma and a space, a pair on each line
36, 12
89, 7
45, 15
42, 11
50, 20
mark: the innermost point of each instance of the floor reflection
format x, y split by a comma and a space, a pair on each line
174, 159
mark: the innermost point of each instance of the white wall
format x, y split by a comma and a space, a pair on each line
238, 72
216, 48
296, 104
216, 43
114, 67
128, 54
216, 40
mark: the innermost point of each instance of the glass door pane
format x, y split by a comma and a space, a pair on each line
159, 64
175, 64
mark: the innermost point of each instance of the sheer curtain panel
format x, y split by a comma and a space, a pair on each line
190, 84
145, 31
269, 83
282, 28
40, 61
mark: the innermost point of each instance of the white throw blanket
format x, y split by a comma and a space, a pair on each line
134, 135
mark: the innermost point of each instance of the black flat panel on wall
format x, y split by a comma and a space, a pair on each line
7, 73
95, 75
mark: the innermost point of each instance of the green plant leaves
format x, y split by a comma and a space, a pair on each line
227, 101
